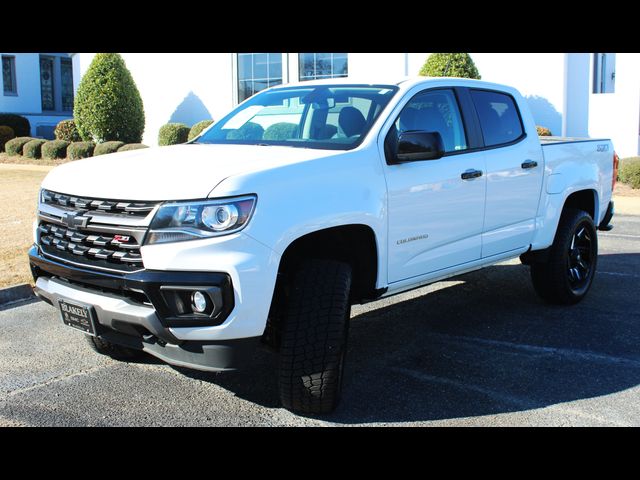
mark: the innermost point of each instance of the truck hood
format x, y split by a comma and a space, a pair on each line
169, 173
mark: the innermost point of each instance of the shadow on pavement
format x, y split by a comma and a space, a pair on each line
485, 346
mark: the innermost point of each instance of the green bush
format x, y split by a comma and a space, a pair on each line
55, 149
78, 150
248, 131
280, 131
107, 147
543, 131
198, 128
6, 134
132, 146
33, 149
450, 65
173, 134
629, 171
21, 126
108, 105
14, 146
67, 130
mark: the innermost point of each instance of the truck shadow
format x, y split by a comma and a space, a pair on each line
483, 345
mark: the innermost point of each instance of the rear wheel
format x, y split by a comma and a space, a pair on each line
112, 350
566, 276
313, 337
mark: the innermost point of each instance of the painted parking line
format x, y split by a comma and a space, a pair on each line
618, 274
621, 235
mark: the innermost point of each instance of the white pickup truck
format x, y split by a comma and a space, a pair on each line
304, 200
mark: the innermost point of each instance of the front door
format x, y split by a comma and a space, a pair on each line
435, 215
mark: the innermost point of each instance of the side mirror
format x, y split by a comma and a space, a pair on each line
415, 145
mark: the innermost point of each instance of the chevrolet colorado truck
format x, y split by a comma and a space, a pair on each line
303, 200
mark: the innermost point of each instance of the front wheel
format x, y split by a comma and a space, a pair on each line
566, 276
314, 337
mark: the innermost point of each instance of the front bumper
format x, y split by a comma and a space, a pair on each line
131, 311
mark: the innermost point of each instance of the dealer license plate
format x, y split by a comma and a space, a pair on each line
77, 316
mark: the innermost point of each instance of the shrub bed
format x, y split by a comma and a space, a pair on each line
6, 134
78, 150
66, 130
33, 149
55, 149
543, 131
20, 125
107, 147
132, 146
173, 134
14, 146
629, 171
198, 128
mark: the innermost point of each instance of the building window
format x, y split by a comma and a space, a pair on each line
604, 72
66, 81
9, 75
46, 83
257, 71
313, 66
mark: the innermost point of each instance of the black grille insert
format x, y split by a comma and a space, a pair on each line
98, 206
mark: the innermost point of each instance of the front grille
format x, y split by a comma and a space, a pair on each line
108, 207
86, 231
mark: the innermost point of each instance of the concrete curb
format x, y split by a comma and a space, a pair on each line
15, 294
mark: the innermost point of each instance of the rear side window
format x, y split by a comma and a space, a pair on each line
499, 117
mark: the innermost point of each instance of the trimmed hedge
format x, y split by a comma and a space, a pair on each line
21, 126
132, 146
198, 128
78, 150
67, 130
107, 147
629, 171
33, 149
108, 105
6, 134
248, 131
55, 149
543, 131
14, 146
173, 134
280, 131
450, 65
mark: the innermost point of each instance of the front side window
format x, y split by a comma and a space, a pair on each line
330, 117
314, 66
434, 111
46, 83
499, 117
9, 75
257, 71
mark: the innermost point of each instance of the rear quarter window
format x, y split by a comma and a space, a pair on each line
499, 117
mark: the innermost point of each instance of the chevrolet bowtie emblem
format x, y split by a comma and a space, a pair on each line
74, 220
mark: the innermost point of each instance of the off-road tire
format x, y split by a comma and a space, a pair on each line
552, 280
314, 334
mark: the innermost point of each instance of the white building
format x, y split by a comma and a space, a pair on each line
38, 86
575, 94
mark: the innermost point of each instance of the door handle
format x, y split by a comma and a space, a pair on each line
529, 164
471, 174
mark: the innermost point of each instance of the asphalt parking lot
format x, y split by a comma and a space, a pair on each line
477, 350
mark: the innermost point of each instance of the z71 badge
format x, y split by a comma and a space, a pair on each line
602, 147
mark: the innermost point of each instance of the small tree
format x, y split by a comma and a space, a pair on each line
108, 106
450, 65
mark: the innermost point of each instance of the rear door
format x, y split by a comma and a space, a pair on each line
514, 174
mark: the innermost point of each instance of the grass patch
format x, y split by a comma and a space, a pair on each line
18, 196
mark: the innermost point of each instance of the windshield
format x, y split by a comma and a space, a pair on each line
334, 117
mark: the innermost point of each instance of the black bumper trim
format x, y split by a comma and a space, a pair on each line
207, 356
605, 224
143, 283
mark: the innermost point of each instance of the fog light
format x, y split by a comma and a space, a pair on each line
198, 302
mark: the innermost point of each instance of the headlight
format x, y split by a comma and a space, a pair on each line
179, 221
